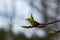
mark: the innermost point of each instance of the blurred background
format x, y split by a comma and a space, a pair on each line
14, 12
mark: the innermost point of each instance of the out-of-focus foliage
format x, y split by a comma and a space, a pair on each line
21, 36
33, 23
2, 34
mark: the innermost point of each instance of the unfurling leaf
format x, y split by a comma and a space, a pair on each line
30, 19
27, 26
53, 31
33, 23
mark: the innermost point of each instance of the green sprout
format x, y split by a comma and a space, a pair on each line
36, 24
32, 22
53, 31
30, 19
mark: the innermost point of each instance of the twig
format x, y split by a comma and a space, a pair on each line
53, 22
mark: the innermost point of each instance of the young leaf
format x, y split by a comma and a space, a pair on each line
27, 26
51, 32
30, 19
54, 29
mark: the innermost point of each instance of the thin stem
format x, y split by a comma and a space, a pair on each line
53, 22
58, 31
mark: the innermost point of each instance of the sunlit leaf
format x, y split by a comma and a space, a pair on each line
30, 19
27, 26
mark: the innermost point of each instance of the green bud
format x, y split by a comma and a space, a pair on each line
30, 19
53, 31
